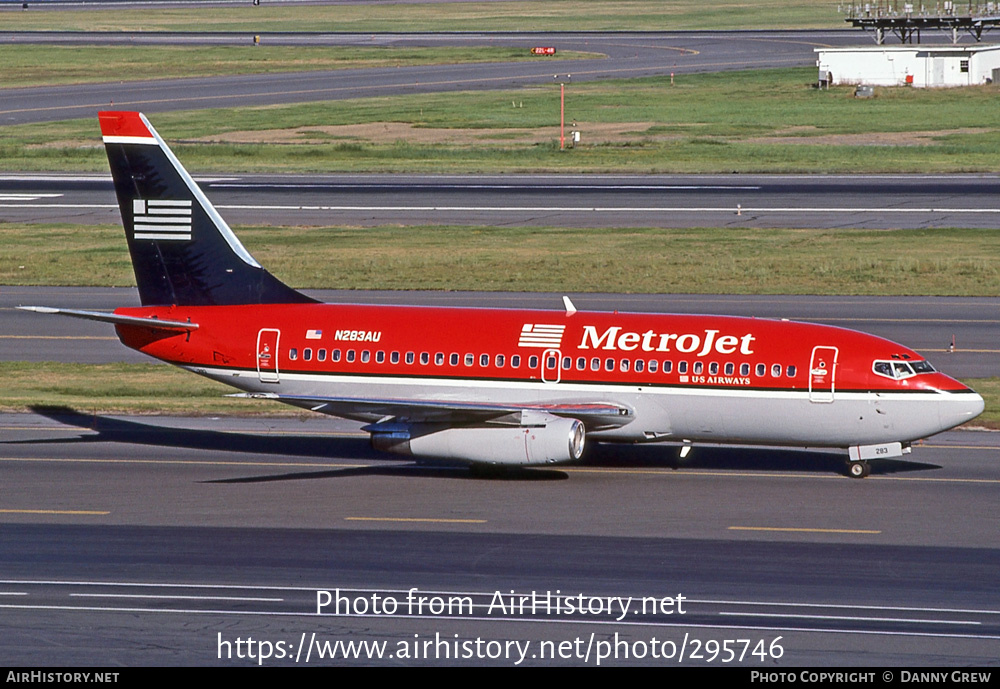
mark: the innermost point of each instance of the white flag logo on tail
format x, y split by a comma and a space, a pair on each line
161, 220
540, 335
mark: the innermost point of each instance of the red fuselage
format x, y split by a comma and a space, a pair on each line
692, 377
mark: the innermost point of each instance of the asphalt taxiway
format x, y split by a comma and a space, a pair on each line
177, 538
619, 55
155, 540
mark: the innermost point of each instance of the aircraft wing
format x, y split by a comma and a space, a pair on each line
595, 415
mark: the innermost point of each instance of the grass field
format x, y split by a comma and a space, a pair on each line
121, 388
528, 15
758, 121
700, 260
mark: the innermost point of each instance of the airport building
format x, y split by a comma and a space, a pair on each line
921, 66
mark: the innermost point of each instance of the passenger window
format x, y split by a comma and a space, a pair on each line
581, 364
713, 368
454, 359
470, 359
532, 361
595, 364
640, 365
652, 365
730, 368
499, 360
775, 370
550, 362
425, 358
624, 365
321, 355
307, 354
350, 355
761, 369
365, 356
394, 358
439, 359
380, 356
293, 354
697, 368
609, 364
484, 360
668, 366
790, 371
744, 369
515, 361
682, 367
567, 363
410, 356
335, 355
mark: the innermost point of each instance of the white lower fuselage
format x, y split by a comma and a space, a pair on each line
664, 413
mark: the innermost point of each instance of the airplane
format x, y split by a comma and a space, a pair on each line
499, 387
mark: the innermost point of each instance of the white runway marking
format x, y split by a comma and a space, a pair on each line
304, 606
611, 187
13, 196
607, 209
732, 210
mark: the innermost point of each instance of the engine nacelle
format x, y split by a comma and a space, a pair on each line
556, 440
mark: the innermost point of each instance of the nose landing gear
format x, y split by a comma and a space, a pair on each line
858, 469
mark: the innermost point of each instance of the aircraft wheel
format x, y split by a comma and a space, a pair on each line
859, 469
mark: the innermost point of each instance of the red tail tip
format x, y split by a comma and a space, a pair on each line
117, 123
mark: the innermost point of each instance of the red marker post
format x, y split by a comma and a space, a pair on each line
562, 117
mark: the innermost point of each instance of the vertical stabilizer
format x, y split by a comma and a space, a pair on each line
182, 251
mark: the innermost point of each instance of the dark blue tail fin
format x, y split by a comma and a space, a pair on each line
182, 251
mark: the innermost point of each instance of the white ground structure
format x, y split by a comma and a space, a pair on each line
916, 65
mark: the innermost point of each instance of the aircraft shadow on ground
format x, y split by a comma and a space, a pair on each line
599, 455
742, 458
107, 429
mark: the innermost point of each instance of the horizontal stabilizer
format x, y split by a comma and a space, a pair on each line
104, 317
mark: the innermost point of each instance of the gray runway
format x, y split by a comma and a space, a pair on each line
612, 201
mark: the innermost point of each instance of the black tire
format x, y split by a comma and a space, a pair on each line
858, 469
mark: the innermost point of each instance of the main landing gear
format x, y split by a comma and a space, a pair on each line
858, 456
858, 469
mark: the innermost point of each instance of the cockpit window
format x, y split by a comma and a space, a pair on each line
902, 370
898, 370
883, 368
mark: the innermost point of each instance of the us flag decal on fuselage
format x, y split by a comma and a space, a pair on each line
161, 220
540, 335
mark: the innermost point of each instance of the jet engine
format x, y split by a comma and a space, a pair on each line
554, 440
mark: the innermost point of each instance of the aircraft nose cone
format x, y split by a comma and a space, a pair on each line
962, 410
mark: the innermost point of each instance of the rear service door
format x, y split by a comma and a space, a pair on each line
267, 355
